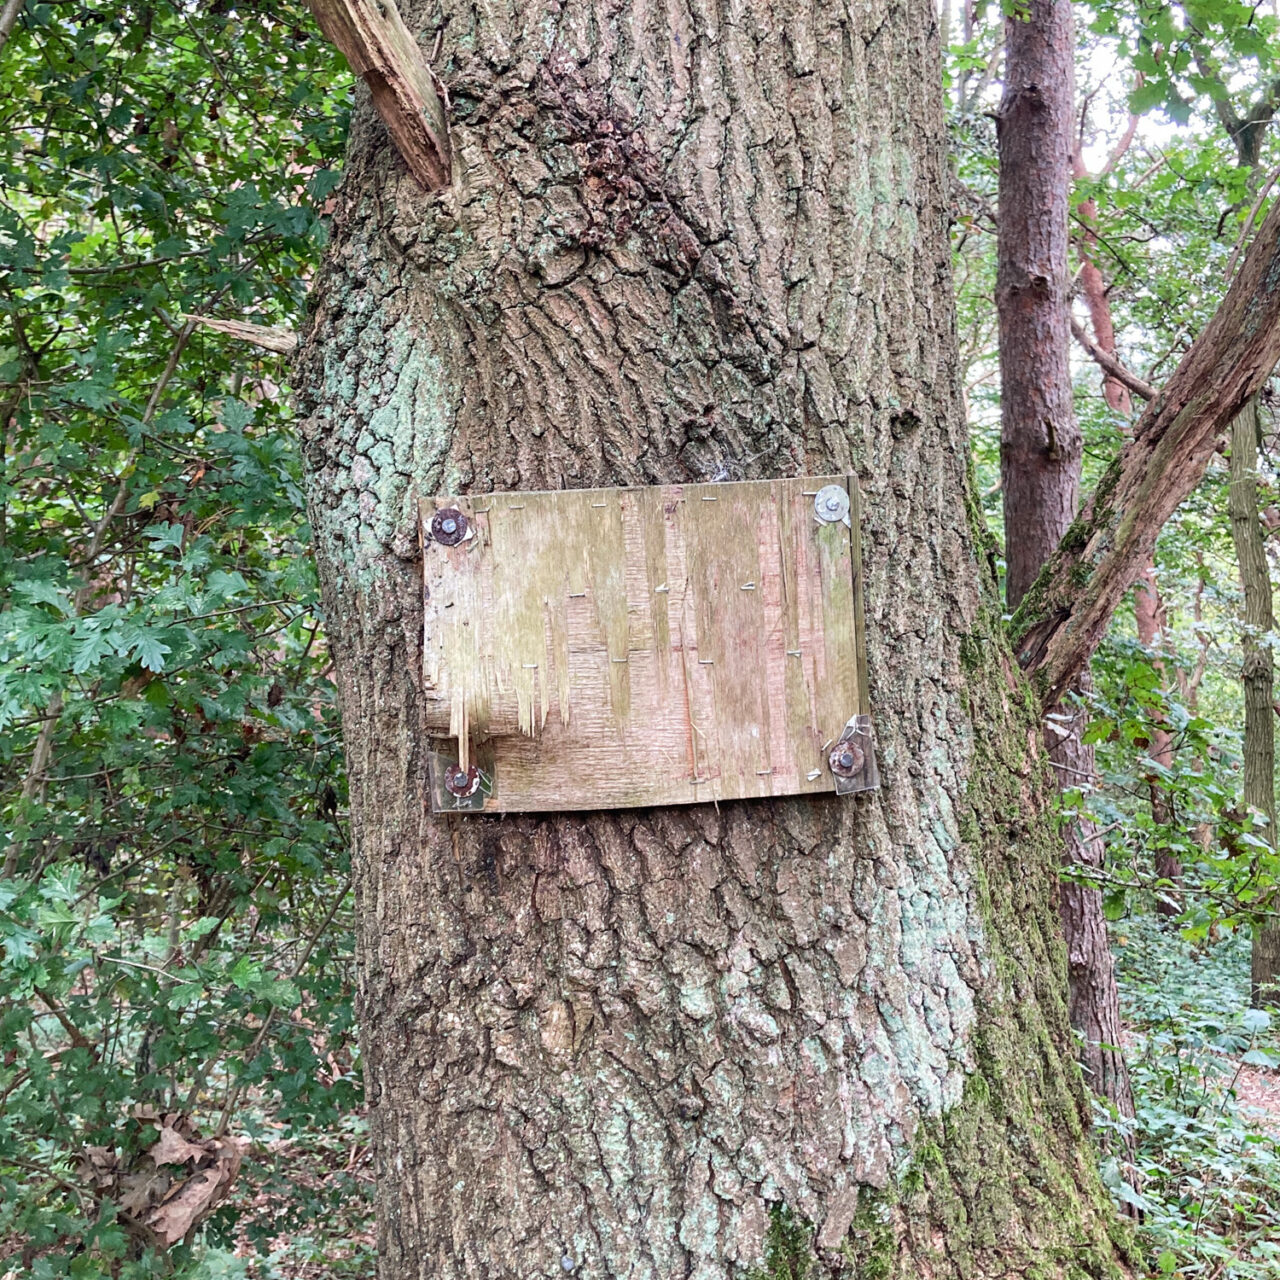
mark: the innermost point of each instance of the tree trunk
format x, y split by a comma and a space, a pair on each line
1257, 671
1040, 452
1149, 619
1040, 442
620, 1044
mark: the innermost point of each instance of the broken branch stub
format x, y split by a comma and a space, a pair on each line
373, 38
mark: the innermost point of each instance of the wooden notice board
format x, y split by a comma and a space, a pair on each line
604, 648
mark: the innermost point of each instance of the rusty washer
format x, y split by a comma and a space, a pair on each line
449, 526
846, 759
460, 782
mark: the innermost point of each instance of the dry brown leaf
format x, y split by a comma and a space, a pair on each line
155, 1204
186, 1206
98, 1166
137, 1192
173, 1148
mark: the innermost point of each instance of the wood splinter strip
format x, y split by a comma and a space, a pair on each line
374, 40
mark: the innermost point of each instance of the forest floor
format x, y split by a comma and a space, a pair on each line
305, 1211
1206, 1080
1258, 1093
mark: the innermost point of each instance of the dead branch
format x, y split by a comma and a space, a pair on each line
269, 337
1109, 364
374, 40
1064, 616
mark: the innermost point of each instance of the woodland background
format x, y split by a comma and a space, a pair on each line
180, 1088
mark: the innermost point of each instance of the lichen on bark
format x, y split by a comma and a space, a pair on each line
681, 246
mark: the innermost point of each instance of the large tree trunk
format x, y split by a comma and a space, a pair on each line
1040, 452
677, 246
1257, 672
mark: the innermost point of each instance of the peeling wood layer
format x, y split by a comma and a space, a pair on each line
606, 648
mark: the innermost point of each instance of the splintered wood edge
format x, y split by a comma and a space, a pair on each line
372, 37
859, 617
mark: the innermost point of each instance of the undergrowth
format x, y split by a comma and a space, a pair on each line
1207, 1187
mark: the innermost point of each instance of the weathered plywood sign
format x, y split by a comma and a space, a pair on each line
603, 648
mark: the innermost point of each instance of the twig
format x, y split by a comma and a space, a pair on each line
1109, 364
1248, 223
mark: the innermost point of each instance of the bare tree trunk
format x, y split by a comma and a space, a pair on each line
1040, 443
1257, 671
1040, 451
1149, 618
612, 1045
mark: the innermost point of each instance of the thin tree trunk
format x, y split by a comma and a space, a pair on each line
1040, 443
612, 1045
1257, 671
1040, 452
1149, 619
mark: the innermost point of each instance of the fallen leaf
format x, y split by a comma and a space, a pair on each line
173, 1148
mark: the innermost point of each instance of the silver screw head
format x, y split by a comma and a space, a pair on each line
449, 527
830, 504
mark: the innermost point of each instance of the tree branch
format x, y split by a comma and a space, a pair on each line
1109, 364
1065, 614
283, 341
9, 19
374, 40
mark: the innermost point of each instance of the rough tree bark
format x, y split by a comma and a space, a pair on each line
680, 245
1257, 672
1040, 442
1040, 453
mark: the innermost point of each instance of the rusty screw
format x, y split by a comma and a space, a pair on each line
461, 783
846, 759
449, 526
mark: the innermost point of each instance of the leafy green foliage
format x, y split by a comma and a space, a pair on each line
174, 926
1208, 1184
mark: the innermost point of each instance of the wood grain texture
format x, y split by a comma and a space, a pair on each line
373, 38
608, 648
